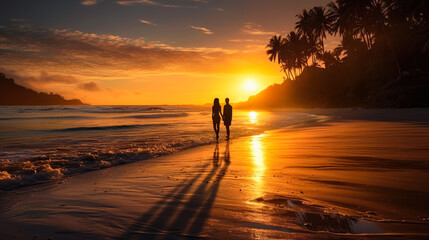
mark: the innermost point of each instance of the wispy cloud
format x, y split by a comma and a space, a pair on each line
89, 86
47, 78
90, 2
17, 20
247, 40
72, 63
255, 29
43, 80
205, 30
150, 3
147, 22
93, 55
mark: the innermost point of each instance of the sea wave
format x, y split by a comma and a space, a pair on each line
43, 168
85, 109
42, 151
125, 109
166, 115
45, 118
113, 127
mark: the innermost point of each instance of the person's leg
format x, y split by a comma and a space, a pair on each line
227, 131
217, 129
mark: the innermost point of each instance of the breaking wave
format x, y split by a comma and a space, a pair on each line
78, 139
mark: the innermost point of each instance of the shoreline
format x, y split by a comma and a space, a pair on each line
330, 115
50, 165
251, 187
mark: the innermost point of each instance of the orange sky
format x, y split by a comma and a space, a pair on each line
144, 52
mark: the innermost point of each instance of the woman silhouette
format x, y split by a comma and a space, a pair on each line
216, 116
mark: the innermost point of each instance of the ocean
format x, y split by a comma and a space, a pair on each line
46, 143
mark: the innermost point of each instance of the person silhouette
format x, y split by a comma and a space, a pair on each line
227, 116
216, 115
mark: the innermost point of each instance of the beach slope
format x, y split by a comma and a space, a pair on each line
338, 180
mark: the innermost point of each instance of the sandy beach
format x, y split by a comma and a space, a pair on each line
339, 180
211, 119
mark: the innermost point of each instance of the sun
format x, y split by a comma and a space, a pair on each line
250, 85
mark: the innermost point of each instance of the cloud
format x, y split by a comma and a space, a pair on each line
254, 29
29, 50
89, 86
147, 22
90, 2
17, 20
192, 4
151, 3
248, 40
72, 63
205, 30
56, 78
44, 78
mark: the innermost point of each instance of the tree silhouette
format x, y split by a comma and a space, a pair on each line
380, 61
274, 48
321, 22
399, 27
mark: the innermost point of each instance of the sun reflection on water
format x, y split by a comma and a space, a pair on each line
257, 151
253, 117
257, 154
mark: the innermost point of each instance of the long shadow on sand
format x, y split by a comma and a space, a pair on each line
183, 212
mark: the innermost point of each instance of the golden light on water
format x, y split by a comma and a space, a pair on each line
258, 159
258, 168
253, 117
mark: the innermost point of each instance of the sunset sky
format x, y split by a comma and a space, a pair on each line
145, 51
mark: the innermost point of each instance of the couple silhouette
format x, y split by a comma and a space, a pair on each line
217, 115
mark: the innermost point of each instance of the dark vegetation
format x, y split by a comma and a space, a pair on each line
382, 60
14, 94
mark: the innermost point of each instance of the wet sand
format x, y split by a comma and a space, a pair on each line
339, 180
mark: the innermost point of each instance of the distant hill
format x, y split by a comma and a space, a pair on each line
342, 86
14, 94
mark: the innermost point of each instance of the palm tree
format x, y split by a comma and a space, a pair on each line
321, 22
314, 25
407, 20
294, 54
286, 59
291, 52
350, 46
300, 51
330, 58
342, 23
314, 48
274, 48
303, 26
351, 17
356, 19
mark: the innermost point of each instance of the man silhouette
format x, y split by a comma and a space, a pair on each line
227, 116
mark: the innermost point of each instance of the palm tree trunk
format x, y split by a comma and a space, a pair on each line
323, 52
398, 65
392, 49
323, 46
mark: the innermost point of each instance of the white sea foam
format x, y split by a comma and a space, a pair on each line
53, 143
